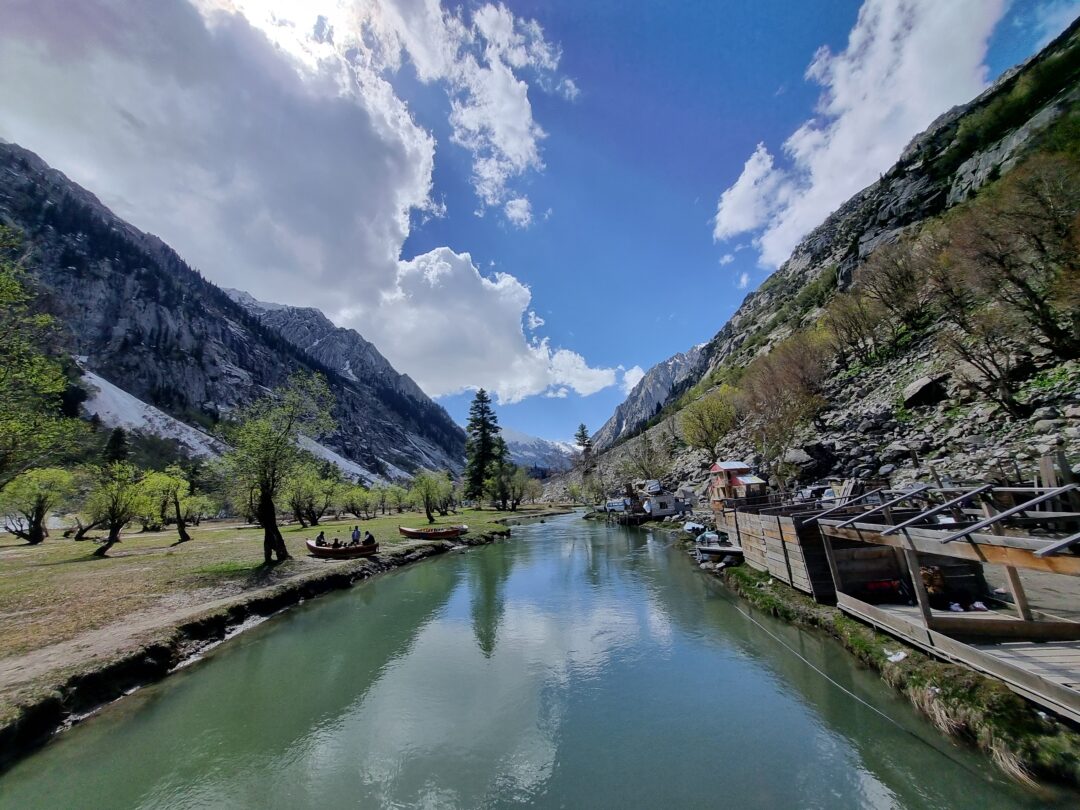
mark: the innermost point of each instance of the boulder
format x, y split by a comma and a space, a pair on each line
797, 455
924, 391
1046, 412
1048, 425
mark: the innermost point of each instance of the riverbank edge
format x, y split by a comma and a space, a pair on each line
77, 694
1022, 741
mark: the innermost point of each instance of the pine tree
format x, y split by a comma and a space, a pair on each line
482, 431
116, 448
585, 443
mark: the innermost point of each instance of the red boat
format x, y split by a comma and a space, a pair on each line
342, 552
434, 532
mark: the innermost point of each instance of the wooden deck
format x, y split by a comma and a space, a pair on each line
1045, 672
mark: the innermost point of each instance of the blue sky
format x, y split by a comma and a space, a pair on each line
539, 198
626, 270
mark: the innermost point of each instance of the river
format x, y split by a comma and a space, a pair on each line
576, 665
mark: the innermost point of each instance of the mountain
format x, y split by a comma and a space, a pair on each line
146, 323
532, 452
876, 420
660, 383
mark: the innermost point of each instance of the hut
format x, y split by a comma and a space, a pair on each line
733, 479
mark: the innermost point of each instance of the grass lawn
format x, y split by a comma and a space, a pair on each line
57, 600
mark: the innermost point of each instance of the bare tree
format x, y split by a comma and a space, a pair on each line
853, 321
780, 393
1017, 246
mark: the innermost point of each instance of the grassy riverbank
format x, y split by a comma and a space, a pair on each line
1024, 742
69, 621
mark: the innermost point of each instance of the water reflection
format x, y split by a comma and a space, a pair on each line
578, 665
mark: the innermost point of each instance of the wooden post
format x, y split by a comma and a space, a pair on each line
1012, 576
837, 584
921, 596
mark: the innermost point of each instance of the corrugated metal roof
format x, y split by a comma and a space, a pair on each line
731, 465
747, 480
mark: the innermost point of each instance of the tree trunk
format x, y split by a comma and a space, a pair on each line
80, 534
181, 527
273, 542
110, 541
297, 515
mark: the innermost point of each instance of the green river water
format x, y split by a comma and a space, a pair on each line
576, 665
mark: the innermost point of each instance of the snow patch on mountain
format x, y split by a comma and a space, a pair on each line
115, 408
532, 451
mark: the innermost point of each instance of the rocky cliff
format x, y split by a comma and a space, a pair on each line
660, 384
146, 322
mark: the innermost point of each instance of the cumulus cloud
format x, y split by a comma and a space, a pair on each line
534, 321
518, 212
631, 377
744, 281
906, 61
440, 296
267, 144
726, 259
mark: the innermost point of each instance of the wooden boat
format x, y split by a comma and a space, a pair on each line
434, 532
342, 552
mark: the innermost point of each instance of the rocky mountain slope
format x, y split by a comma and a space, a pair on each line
147, 323
533, 452
889, 419
660, 384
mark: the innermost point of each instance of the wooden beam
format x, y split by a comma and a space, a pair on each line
968, 624
1014, 551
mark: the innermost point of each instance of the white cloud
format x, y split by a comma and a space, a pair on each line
631, 377
267, 144
453, 328
749, 202
557, 393
906, 61
744, 281
534, 321
569, 89
726, 259
518, 212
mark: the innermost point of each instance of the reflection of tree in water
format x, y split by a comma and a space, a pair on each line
487, 578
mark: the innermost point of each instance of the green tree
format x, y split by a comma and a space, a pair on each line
581, 438
706, 421
32, 427
28, 500
482, 438
117, 447
397, 496
168, 493
431, 489
265, 452
357, 500
116, 499
534, 490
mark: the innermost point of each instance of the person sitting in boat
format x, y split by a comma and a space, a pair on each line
355, 536
321, 539
336, 543
369, 538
